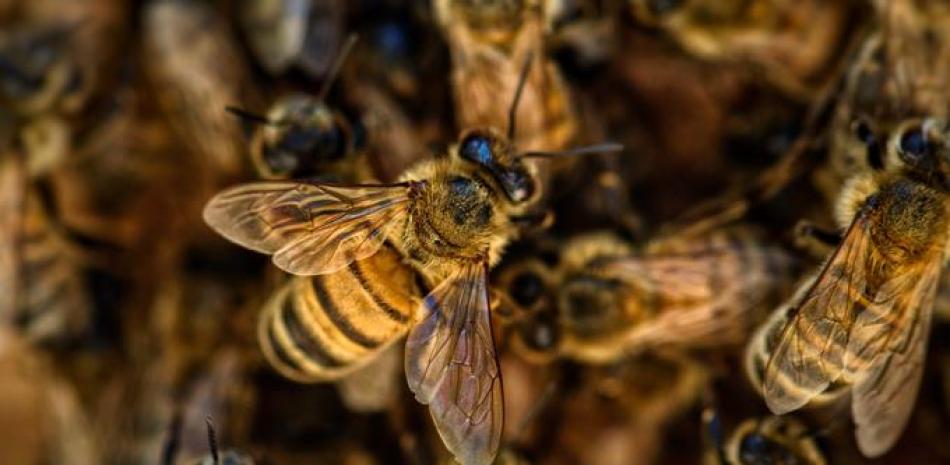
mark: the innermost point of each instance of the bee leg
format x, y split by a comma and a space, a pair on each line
815, 239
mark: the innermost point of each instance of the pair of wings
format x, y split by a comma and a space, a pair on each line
711, 292
863, 321
313, 229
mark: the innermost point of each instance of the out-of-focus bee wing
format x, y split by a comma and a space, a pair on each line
890, 337
309, 228
811, 352
451, 366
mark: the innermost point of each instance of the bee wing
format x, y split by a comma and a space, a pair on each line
309, 228
888, 343
451, 366
810, 354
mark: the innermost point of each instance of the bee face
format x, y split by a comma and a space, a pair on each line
496, 157
306, 135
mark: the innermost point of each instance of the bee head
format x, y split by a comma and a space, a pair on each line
922, 146
495, 155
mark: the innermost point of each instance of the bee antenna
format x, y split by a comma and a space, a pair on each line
606, 147
337, 65
514, 103
212, 439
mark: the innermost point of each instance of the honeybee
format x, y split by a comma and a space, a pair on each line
899, 70
489, 41
196, 71
864, 319
46, 296
794, 43
302, 136
772, 440
449, 219
612, 301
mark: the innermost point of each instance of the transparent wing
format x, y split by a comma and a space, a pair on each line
810, 354
309, 228
451, 366
888, 343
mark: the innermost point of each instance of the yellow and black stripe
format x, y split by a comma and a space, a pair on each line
322, 327
52, 302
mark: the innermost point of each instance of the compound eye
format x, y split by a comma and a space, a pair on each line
477, 149
913, 144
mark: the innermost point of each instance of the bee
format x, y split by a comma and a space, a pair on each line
768, 440
794, 43
303, 137
899, 70
488, 42
196, 71
448, 218
864, 319
287, 33
46, 294
706, 292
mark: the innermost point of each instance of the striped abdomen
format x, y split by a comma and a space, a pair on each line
322, 327
52, 301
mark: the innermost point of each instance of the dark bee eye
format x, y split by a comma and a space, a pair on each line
914, 144
477, 149
526, 288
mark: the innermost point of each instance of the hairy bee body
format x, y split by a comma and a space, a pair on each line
701, 293
448, 219
863, 321
52, 300
322, 327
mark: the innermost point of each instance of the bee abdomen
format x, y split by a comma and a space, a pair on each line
322, 327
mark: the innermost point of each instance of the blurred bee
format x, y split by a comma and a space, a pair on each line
864, 319
45, 296
287, 33
489, 41
757, 441
53, 58
303, 137
449, 219
196, 71
612, 301
794, 43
